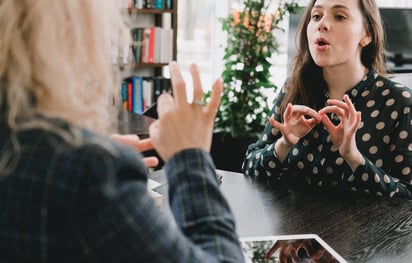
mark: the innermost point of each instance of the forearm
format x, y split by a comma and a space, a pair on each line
374, 180
199, 208
281, 149
262, 160
354, 160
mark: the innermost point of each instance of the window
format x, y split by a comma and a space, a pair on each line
201, 40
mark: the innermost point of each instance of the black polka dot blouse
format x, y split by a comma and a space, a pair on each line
384, 138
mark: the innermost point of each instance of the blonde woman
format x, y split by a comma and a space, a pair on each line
68, 192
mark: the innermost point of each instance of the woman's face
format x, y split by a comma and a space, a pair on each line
336, 33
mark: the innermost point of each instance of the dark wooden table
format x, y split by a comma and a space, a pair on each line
361, 230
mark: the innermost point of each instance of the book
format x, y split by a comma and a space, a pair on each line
129, 96
137, 93
168, 4
152, 41
159, 4
150, 4
147, 93
289, 248
158, 38
124, 94
139, 4
137, 44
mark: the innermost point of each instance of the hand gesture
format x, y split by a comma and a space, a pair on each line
298, 120
301, 250
182, 125
342, 134
141, 145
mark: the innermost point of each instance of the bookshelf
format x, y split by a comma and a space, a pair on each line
153, 32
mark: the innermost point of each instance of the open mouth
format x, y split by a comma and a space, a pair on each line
321, 42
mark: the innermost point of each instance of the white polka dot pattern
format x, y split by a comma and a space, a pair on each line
384, 139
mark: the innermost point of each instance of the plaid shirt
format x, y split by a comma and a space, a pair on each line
89, 203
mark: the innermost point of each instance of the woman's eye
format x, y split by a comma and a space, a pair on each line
340, 17
316, 17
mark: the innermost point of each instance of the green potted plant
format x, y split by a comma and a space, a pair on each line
251, 41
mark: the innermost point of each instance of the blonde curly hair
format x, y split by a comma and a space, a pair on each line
55, 59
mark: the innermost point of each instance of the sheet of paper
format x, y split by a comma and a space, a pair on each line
158, 198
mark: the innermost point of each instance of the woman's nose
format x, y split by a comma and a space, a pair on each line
323, 25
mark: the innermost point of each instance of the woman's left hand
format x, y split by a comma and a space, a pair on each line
343, 135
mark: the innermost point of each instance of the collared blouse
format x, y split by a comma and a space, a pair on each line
384, 139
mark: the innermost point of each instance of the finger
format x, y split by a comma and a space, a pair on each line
165, 103
357, 121
349, 103
133, 140
339, 103
306, 111
151, 161
145, 145
178, 84
294, 255
197, 85
288, 112
354, 124
153, 129
272, 250
333, 109
312, 122
129, 139
215, 98
327, 122
318, 254
275, 124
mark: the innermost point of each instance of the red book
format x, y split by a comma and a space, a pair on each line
129, 96
152, 40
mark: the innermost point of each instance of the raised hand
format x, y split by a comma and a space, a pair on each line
182, 125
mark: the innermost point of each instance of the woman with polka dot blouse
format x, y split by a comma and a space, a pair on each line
338, 124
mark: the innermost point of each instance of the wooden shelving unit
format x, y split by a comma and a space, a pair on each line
158, 21
153, 46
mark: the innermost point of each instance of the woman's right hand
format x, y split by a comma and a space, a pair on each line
182, 125
298, 120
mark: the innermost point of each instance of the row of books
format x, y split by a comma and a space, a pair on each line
139, 93
152, 44
146, 4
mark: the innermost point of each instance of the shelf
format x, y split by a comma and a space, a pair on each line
154, 35
143, 65
148, 11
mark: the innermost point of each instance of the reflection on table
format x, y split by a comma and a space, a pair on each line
361, 230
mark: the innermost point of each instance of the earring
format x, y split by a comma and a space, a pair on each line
364, 43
